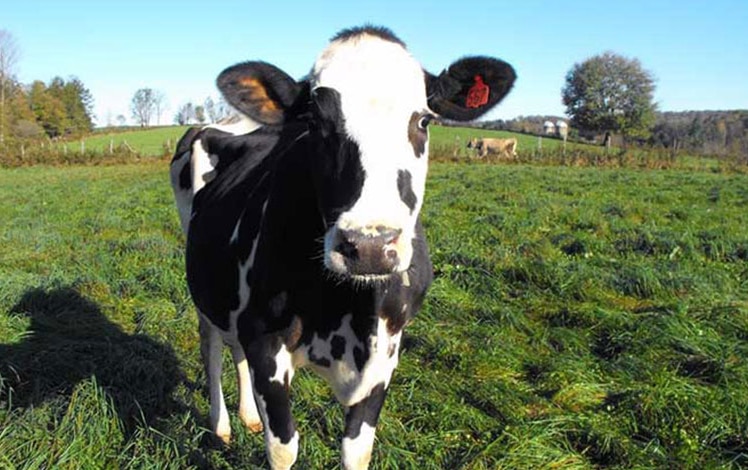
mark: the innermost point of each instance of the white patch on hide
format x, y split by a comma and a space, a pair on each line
357, 451
349, 385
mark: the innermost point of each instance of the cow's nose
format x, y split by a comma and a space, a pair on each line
370, 250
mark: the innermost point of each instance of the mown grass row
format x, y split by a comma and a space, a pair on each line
580, 318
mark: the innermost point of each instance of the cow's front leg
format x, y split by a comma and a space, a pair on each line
271, 377
360, 426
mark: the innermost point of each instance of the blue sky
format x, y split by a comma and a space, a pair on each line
697, 50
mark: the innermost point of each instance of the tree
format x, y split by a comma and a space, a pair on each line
8, 58
223, 110
17, 103
143, 105
159, 102
200, 114
185, 114
612, 94
49, 111
24, 129
78, 104
210, 109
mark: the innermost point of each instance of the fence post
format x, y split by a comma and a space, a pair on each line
127, 146
539, 150
83, 146
564, 145
111, 146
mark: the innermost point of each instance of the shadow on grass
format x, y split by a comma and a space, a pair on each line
71, 340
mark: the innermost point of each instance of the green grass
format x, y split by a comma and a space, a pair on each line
456, 138
97, 149
447, 144
151, 142
580, 318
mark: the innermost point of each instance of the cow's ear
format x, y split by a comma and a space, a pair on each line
469, 88
259, 90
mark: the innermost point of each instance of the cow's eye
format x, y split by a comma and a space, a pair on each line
424, 121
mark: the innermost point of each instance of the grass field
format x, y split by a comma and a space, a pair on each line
152, 142
447, 144
580, 318
452, 137
96, 149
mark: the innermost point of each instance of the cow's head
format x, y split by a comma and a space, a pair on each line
368, 103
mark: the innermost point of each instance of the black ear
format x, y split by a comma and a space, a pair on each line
260, 90
326, 104
469, 88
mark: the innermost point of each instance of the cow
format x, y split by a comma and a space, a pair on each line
304, 245
501, 147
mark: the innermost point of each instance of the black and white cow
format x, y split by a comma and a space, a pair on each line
304, 246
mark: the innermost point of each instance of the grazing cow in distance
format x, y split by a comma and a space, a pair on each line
501, 147
304, 245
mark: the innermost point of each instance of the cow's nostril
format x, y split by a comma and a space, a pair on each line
347, 249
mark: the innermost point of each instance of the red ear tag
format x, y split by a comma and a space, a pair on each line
478, 94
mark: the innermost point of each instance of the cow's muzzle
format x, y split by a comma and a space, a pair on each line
366, 252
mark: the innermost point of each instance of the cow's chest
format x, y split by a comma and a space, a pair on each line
352, 363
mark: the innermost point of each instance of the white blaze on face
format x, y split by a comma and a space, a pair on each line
381, 85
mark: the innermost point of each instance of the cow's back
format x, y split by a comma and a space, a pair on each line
192, 167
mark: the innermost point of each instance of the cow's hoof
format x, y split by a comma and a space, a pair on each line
254, 427
224, 438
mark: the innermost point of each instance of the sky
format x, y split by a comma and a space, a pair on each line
696, 50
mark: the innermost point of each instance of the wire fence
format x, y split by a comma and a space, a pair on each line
25, 153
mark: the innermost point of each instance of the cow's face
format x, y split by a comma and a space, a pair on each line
381, 115
368, 103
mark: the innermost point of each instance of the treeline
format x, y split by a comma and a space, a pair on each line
209, 111
60, 108
716, 133
521, 124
